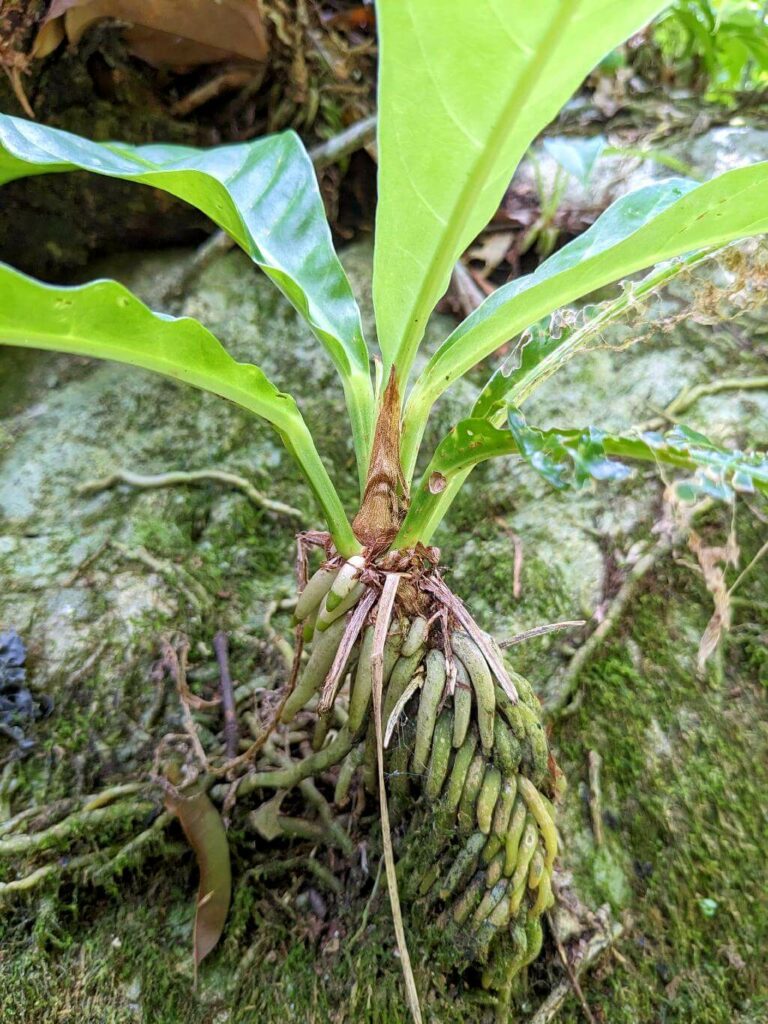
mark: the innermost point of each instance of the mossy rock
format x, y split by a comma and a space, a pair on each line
684, 756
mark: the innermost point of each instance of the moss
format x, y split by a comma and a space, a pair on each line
685, 772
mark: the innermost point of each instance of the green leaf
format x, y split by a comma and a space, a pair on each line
652, 224
262, 193
565, 458
103, 319
574, 457
464, 88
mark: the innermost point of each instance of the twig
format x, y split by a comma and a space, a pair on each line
14, 76
357, 136
145, 481
594, 763
176, 663
383, 619
517, 569
596, 945
744, 572
250, 753
550, 627
225, 82
570, 678
465, 290
231, 732
570, 972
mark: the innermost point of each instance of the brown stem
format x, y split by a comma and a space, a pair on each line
385, 494
231, 731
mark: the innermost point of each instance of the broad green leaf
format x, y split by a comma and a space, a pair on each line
265, 195
640, 229
104, 320
573, 457
205, 833
464, 87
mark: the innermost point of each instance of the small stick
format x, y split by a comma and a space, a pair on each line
517, 570
596, 945
225, 82
570, 972
637, 574
248, 755
176, 664
594, 763
529, 634
748, 569
231, 731
383, 619
357, 136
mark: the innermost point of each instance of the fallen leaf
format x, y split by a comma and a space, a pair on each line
491, 250
713, 562
265, 818
205, 833
179, 33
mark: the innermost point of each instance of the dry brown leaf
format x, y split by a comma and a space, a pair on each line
713, 562
164, 32
492, 250
205, 833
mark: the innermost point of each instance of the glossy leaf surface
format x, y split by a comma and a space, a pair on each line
463, 89
106, 321
262, 193
652, 224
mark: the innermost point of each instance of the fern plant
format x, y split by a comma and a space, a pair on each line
464, 89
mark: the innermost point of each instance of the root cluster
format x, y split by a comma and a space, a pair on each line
470, 774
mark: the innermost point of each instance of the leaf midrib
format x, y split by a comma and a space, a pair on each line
465, 201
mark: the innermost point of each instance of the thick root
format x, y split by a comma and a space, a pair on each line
469, 772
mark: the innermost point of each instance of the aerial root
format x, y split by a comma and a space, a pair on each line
415, 699
457, 725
